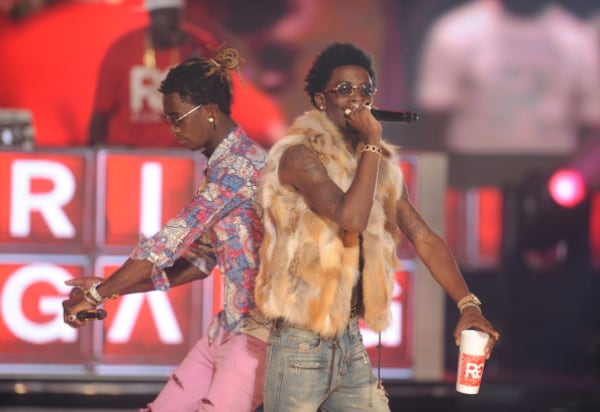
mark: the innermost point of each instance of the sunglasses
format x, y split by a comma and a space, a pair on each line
345, 89
171, 120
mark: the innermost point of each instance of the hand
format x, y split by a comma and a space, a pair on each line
76, 302
359, 117
472, 318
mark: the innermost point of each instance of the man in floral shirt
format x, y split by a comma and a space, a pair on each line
220, 225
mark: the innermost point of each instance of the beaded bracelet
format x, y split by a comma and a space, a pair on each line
370, 148
469, 300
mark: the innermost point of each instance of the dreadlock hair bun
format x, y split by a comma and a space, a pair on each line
224, 60
203, 80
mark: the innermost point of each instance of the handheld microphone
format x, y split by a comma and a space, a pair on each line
394, 116
98, 314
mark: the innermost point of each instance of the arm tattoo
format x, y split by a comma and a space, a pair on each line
301, 165
410, 222
304, 171
307, 165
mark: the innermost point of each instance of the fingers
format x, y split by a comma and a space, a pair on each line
490, 346
475, 320
494, 336
72, 320
355, 106
83, 283
68, 317
69, 314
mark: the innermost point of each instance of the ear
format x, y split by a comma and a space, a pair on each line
211, 109
319, 100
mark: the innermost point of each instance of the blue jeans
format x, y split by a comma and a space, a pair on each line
306, 373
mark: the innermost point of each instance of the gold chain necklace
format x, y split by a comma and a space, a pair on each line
149, 57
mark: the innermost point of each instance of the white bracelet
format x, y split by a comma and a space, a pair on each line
89, 299
93, 293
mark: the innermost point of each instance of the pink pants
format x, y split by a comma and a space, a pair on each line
222, 376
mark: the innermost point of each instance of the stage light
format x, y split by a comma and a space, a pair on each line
549, 207
567, 188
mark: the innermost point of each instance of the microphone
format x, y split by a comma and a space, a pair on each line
394, 116
98, 314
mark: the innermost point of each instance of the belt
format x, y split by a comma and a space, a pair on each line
283, 323
353, 311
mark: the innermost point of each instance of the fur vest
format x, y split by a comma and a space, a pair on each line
309, 265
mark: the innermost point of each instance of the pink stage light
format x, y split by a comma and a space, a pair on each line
567, 187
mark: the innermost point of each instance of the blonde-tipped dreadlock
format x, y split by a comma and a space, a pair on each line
225, 59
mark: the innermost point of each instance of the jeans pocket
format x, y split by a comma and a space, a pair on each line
307, 364
302, 343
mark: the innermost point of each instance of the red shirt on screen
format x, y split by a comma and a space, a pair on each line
127, 89
50, 63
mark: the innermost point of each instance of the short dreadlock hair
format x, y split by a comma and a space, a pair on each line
204, 80
335, 55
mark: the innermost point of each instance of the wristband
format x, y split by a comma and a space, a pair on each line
93, 292
89, 299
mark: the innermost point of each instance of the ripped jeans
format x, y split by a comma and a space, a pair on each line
306, 373
222, 376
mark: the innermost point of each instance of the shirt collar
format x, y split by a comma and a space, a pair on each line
224, 148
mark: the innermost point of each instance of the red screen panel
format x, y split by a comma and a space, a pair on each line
155, 328
45, 200
139, 193
31, 322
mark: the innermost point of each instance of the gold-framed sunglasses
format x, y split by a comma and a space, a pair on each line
345, 89
171, 120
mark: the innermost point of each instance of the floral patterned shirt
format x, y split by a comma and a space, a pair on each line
225, 213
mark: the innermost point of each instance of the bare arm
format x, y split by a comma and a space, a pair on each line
437, 257
180, 273
301, 168
431, 249
132, 277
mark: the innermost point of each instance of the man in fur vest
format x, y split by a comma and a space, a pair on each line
334, 199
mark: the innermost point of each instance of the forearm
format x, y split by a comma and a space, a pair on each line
134, 277
437, 257
358, 200
184, 272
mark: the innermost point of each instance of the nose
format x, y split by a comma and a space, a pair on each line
356, 96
